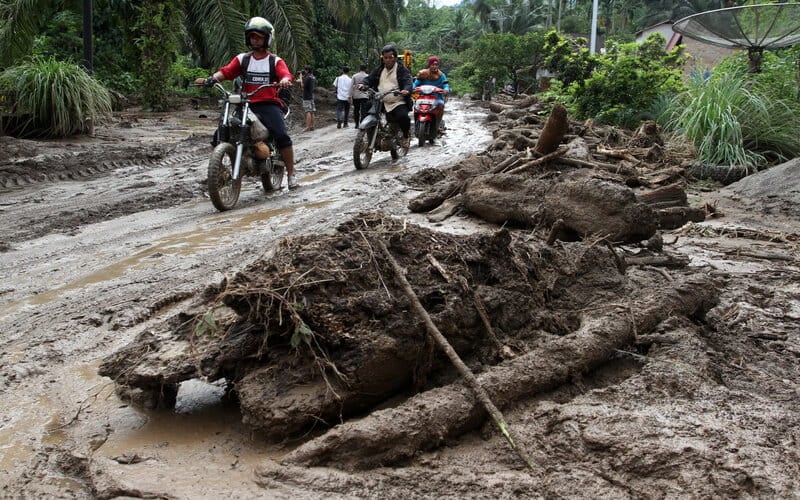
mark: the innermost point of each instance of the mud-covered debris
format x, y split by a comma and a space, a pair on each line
320, 332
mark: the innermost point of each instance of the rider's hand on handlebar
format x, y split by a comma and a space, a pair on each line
208, 82
286, 82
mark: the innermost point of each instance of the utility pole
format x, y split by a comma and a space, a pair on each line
88, 44
593, 41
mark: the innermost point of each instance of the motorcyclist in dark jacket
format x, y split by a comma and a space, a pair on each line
390, 75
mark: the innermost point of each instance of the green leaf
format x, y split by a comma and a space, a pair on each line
302, 333
208, 324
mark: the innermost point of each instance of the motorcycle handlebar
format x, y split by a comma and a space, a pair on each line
222, 90
380, 95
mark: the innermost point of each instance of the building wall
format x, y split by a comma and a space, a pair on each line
704, 56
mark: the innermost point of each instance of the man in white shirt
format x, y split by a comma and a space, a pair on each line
342, 85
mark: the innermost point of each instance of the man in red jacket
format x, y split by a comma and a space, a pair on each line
267, 105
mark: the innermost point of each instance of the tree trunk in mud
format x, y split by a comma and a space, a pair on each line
554, 130
428, 419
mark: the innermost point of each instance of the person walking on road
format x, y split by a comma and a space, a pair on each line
308, 83
359, 97
342, 84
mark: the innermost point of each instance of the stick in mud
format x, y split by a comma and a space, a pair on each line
465, 372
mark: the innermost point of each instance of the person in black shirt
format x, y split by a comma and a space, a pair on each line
308, 83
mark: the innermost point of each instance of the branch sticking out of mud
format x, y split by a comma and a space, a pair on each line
463, 370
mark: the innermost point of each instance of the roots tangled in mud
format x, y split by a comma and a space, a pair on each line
319, 331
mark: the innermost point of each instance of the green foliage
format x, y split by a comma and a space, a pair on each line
61, 38
182, 74
302, 335
625, 82
739, 118
157, 26
61, 98
494, 54
123, 82
569, 58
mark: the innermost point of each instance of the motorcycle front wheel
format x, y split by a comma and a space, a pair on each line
222, 187
272, 178
418, 129
362, 153
423, 132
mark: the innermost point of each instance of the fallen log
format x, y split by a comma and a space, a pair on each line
539, 161
454, 358
427, 420
675, 217
672, 195
608, 167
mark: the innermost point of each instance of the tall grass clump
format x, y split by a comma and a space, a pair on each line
733, 119
58, 98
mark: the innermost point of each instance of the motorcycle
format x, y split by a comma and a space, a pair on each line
242, 147
428, 113
376, 133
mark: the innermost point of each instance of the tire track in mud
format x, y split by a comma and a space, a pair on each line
63, 202
23, 173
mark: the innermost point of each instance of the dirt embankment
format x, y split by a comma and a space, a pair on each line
636, 333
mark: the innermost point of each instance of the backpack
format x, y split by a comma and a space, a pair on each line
285, 95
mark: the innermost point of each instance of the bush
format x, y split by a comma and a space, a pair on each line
627, 81
59, 98
739, 118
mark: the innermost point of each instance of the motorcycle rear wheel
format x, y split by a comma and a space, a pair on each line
362, 153
222, 188
273, 177
398, 151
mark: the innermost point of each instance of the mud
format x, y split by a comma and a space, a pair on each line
116, 267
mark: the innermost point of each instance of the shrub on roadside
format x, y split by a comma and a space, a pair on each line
59, 98
740, 118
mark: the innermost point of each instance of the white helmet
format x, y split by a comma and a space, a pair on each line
262, 26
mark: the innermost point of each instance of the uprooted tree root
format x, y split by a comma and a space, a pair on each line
320, 331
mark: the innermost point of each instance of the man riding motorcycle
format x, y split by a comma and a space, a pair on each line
267, 104
390, 75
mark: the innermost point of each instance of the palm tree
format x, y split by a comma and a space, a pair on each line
215, 28
19, 22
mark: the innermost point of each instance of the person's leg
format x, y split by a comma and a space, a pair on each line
346, 119
287, 155
399, 115
356, 111
339, 112
272, 116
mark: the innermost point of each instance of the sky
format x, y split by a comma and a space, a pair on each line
442, 3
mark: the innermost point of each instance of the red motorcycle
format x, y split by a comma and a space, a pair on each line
428, 112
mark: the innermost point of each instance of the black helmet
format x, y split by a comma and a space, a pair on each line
262, 26
389, 48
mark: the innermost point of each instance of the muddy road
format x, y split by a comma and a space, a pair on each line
103, 234
102, 238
